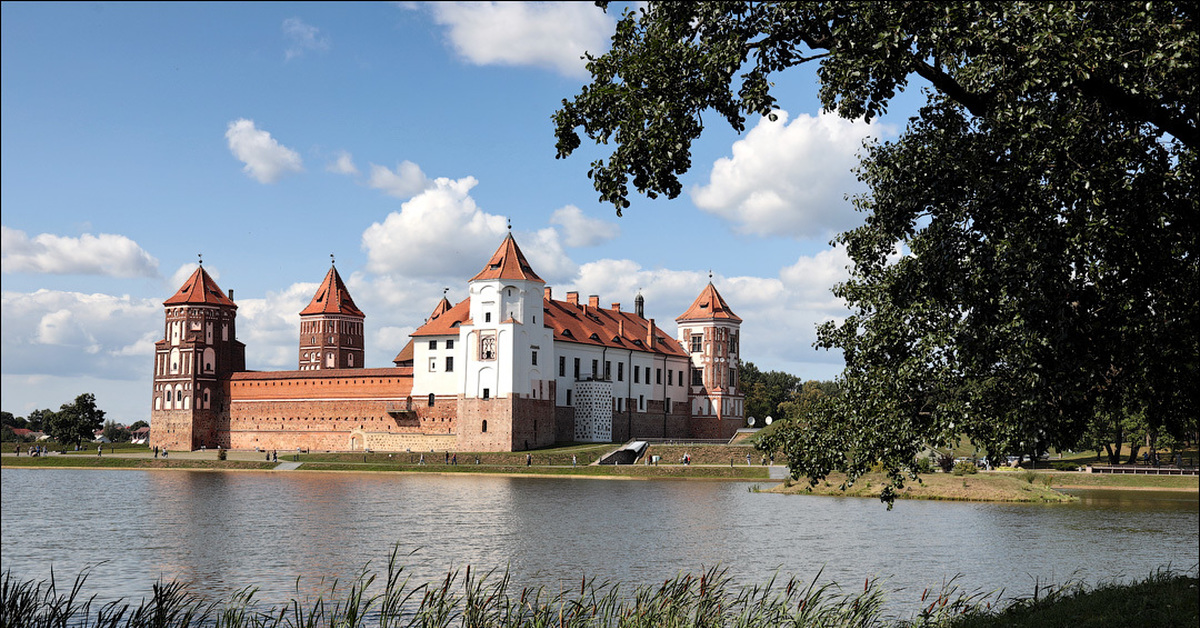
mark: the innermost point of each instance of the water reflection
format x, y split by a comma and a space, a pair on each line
224, 531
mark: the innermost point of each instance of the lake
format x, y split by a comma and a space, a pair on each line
223, 531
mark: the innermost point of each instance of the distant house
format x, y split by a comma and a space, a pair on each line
140, 435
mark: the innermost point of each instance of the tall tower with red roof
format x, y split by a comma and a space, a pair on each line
331, 328
709, 331
192, 363
506, 399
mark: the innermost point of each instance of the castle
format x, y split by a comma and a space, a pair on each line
510, 368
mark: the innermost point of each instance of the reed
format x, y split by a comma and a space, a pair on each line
470, 599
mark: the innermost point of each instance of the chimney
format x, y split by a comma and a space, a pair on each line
573, 298
651, 332
639, 306
231, 294
620, 328
616, 307
546, 293
594, 301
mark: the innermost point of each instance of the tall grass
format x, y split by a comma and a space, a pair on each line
469, 599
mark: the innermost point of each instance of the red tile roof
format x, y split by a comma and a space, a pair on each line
589, 325
577, 323
332, 298
708, 306
508, 263
445, 320
200, 289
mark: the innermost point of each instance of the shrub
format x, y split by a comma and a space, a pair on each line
946, 462
1028, 476
965, 468
1064, 465
923, 464
221, 455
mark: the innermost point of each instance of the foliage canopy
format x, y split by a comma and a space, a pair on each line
1030, 255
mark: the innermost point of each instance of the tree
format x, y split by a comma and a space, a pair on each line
137, 425
765, 391
1031, 251
116, 433
38, 419
76, 422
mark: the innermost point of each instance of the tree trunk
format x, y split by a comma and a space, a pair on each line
1134, 448
1114, 453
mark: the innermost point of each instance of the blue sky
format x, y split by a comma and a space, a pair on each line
400, 138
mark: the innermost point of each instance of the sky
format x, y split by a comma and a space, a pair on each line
402, 139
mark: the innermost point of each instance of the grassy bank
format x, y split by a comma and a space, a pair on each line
469, 599
120, 462
987, 487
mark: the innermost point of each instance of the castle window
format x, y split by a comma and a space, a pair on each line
432, 345
568, 397
449, 364
432, 365
576, 369
595, 368
670, 378
485, 426
647, 375
487, 394
697, 377
637, 375
658, 376
449, 344
620, 371
697, 341
607, 370
534, 357
487, 317
641, 403
733, 378
680, 378
431, 399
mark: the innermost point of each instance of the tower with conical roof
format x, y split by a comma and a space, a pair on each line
198, 353
709, 331
507, 399
331, 328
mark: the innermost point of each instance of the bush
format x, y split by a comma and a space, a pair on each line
946, 462
923, 464
221, 455
1064, 465
965, 468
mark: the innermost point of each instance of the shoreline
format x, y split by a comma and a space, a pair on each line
994, 486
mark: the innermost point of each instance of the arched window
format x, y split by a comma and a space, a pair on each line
485, 425
431, 399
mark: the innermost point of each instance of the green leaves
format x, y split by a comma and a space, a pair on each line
1031, 252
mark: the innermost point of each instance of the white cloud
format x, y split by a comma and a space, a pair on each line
406, 181
789, 179
104, 254
270, 327
267, 161
440, 233
581, 230
546, 255
550, 35
52, 332
344, 164
302, 38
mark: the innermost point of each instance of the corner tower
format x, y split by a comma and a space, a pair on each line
331, 328
709, 331
198, 351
